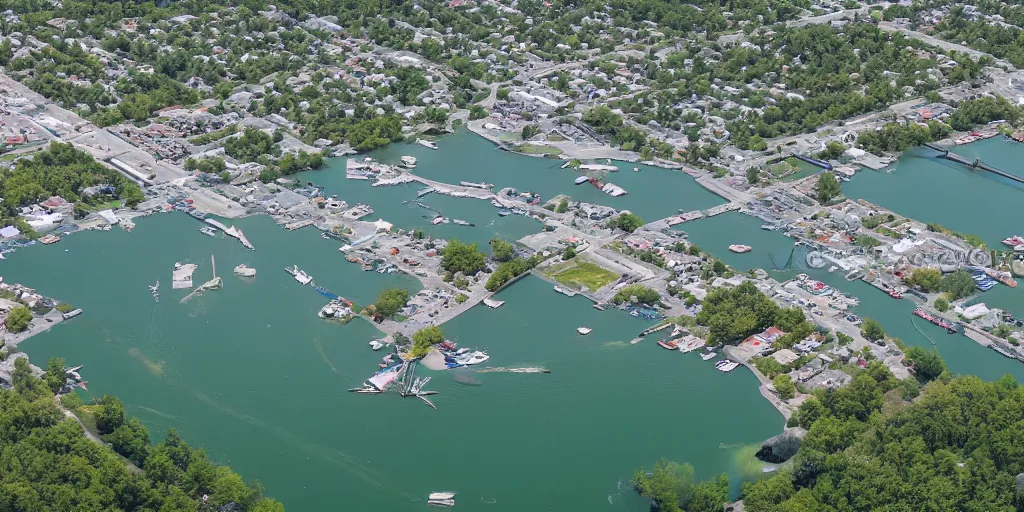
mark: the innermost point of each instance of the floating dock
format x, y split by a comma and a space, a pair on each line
493, 304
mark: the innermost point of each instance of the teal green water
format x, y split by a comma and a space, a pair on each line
654, 193
251, 375
928, 189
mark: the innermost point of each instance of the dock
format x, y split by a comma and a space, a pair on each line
182, 276
292, 226
493, 304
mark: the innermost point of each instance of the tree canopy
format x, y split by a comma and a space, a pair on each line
18, 319
424, 338
390, 301
628, 222
501, 250
732, 314
955, 448
828, 187
49, 463
872, 330
462, 257
958, 285
926, 279
671, 487
643, 295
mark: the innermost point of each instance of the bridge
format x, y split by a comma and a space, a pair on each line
973, 164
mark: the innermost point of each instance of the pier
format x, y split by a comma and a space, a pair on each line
975, 164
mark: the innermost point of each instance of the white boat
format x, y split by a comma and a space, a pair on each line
613, 190
707, 355
460, 222
300, 276
481, 185
584, 330
207, 230
439, 220
245, 271
471, 359
739, 248
728, 366
441, 496
426, 143
581, 180
409, 161
376, 345
833, 268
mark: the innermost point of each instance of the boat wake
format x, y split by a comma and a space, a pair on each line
723, 446
491, 502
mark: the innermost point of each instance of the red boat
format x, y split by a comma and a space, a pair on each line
669, 344
895, 294
1014, 240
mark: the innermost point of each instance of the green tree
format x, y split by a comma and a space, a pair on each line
563, 206
928, 364
872, 330
110, 415
942, 304
732, 314
529, 131
628, 222
958, 285
130, 440
828, 187
753, 175
424, 338
18, 319
462, 257
784, 385
569, 253
641, 293
501, 250
390, 301
926, 279
55, 377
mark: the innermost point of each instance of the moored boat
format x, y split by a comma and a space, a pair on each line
426, 143
1014, 240
739, 248
245, 271
300, 276
409, 161
49, 239
668, 344
581, 180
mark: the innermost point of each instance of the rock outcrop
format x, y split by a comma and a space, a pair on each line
780, 448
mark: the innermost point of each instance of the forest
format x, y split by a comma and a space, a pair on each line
876, 444
61, 170
50, 465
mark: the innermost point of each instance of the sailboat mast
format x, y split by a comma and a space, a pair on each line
213, 264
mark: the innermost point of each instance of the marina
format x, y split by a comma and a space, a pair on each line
315, 361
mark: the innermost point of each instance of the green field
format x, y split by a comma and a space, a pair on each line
578, 274
537, 149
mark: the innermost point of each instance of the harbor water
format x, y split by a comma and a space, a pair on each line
250, 374
253, 376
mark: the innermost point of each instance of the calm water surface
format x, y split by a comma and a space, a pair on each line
252, 375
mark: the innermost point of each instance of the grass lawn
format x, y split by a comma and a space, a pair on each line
537, 149
582, 273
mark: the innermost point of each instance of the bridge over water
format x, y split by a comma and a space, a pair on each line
973, 164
